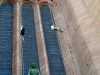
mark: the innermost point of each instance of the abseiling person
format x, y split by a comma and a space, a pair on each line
22, 33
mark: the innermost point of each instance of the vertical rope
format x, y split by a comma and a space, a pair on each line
51, 13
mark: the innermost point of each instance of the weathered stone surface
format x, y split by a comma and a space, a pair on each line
81, 37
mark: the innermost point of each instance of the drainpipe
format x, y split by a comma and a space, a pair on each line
17, 43
43, 58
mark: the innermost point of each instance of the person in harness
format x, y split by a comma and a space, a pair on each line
55, 28
22, 33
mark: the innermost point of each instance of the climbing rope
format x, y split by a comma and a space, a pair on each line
52, 16
53, 20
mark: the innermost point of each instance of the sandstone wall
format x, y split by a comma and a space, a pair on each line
81, 37
93, 7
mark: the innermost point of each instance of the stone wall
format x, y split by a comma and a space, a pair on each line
93, 7
81, 37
